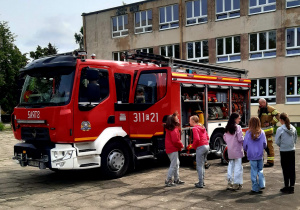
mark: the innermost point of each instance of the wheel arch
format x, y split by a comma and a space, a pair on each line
114, 134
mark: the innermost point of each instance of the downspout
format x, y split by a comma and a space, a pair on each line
181, 29
84, 32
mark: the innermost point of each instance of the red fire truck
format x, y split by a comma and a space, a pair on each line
78, 113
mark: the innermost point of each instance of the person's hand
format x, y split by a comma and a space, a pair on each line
267, 124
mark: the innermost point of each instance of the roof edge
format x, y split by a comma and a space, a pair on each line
113, 8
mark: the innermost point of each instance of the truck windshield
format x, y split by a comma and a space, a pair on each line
47, 87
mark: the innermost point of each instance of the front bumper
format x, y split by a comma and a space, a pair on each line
57, 156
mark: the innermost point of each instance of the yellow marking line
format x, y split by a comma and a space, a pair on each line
205, 77
86, 138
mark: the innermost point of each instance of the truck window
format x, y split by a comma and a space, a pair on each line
151, 87
122, 82
93, 82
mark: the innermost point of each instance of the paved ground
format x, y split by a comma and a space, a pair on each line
31, 188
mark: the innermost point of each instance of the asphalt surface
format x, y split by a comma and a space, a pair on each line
31, 188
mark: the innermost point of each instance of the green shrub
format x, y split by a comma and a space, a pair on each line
1, 126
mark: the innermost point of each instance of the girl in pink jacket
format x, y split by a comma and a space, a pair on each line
173, 145
234, 139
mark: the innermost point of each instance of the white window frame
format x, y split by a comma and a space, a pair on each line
119, 55
120, 31
224, 50
258, 44
170, 22
291, 1
146, 49
147, 23
194, 52
295, 95
262, 7
295, 47
193, 14
267, 91
166, 48
227, 12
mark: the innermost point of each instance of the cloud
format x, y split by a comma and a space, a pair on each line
57, 30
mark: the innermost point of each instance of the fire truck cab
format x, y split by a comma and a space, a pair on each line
78, 113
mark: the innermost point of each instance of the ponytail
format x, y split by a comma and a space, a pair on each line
286, 120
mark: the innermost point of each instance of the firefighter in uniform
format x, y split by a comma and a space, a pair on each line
268, 116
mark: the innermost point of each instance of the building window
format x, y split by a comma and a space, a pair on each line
143, 21
198, 51
227, 9
170, 50
146, 50
119, 56
263, 88
260, 6
168, 17
262, 45
292, 3
228, 49
120, 26
293, 41
293, 89
196, 12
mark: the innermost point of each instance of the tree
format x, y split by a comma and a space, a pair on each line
79, 38
11, 61
40, 52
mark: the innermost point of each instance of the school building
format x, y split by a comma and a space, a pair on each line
261, 36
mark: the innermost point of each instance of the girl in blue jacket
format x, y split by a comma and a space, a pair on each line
254, 144
286, 137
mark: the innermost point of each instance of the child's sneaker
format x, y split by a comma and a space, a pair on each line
291, 190
229, 186
169, 183
178, 181
198, 185
236, 187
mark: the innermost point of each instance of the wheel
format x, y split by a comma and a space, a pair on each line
114, 160
218, 143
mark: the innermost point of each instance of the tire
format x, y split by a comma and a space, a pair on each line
218, 143
114, 160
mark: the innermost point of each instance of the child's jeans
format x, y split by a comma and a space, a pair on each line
257, 170
174, 166
201, 153
235, 171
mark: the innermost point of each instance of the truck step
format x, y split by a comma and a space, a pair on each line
145, 155
143, 145
88, 165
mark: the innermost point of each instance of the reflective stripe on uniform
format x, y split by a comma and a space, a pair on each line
269, 139
275, 119
275, 112
271, 158
268, 130
264, 114
269, 113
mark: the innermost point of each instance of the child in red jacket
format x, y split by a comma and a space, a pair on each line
201, 145
173, 145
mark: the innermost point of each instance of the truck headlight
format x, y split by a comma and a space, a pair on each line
68, 155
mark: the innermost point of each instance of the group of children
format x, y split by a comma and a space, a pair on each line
252, 144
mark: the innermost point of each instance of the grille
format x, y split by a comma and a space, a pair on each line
39, 134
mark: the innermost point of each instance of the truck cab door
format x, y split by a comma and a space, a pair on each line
150, 101
93, 103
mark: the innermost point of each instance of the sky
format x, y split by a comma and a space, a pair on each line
38, 22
